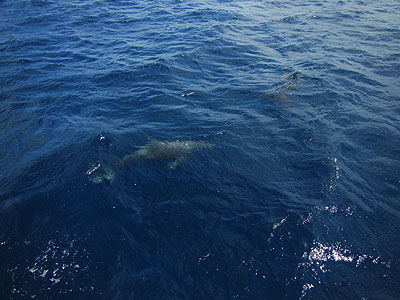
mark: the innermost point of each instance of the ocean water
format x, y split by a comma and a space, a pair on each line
297, 196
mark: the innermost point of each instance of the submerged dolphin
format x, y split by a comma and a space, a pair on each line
291, 83
176, 151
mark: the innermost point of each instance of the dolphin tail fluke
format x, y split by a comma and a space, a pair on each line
97, 174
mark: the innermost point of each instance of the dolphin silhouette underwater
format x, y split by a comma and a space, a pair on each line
291, 83
174, 151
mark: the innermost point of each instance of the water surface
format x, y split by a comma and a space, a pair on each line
297, 199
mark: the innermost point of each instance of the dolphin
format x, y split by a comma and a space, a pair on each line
279, 96
291, 83
174, 151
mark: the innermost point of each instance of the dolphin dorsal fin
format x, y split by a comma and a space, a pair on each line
152, 141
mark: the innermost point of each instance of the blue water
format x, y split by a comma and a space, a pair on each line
297, 199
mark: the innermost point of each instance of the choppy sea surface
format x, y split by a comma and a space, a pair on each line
297, 196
